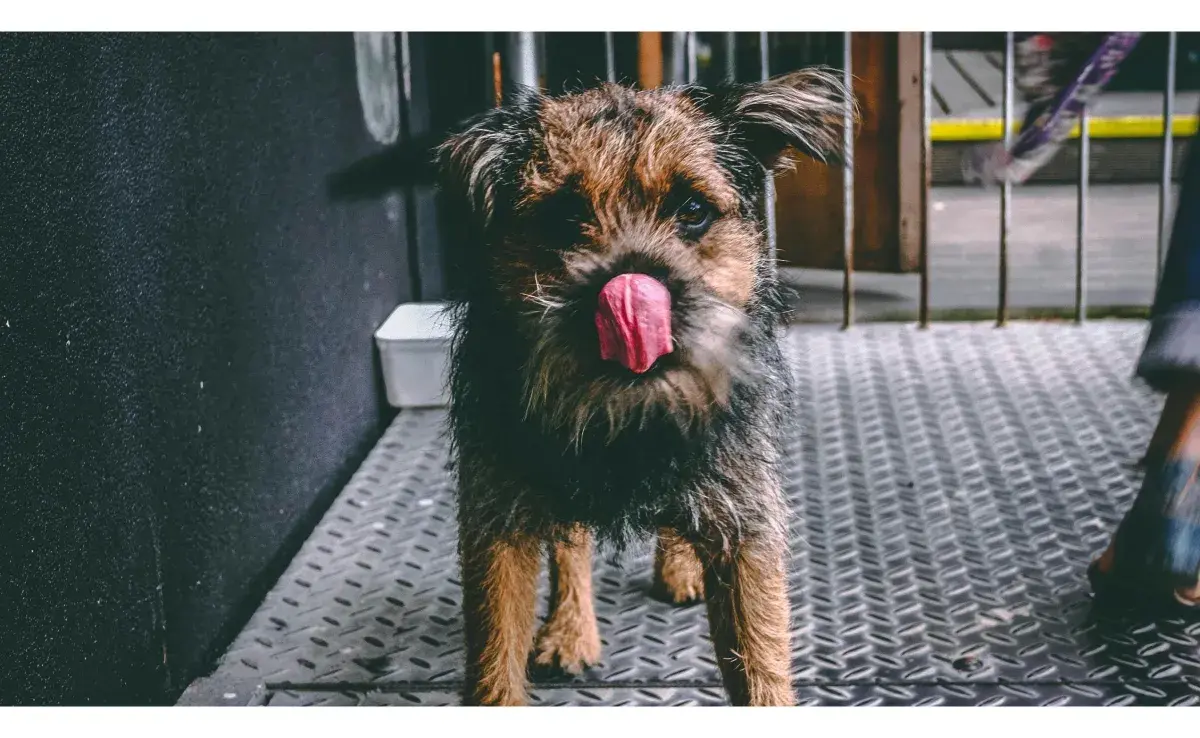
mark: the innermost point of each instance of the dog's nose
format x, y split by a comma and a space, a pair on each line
658, 273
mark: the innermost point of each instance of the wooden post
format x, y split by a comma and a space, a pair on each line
497, 79
650, 59
887, 171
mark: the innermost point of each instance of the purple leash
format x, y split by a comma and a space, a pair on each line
1050, 120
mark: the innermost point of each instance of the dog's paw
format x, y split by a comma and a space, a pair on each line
681, 587
679, 578
678, 574
570, 648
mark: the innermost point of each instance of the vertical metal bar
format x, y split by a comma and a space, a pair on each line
926, 169
692, 62
1081, 218
1006, 186
610, 58
678, 57
764, 54
1164, 185
848, 184
730, 56
764, 65
521, 65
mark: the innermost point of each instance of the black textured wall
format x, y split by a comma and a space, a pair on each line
187, 373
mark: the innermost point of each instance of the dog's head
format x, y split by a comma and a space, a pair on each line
624, 229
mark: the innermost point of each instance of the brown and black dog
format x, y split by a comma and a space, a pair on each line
616, 369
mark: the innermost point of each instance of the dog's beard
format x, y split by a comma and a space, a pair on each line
573, 393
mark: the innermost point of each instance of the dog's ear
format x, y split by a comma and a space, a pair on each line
482, 158
804, 112
471, 160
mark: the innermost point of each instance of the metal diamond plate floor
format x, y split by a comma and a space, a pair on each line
949, 488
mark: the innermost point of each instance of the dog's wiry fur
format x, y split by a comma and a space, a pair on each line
553, 445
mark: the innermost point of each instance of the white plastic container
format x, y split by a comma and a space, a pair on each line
414, 350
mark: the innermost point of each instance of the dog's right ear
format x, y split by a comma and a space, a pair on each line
483, 157
472, 161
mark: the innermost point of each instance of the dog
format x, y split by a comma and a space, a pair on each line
616, 369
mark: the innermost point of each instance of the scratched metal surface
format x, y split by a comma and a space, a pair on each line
949, 487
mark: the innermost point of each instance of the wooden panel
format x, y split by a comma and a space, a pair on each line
809, 211
808, 217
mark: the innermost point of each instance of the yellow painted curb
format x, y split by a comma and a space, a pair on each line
1131, 126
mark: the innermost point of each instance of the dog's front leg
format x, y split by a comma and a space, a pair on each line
499, 579
746, 591
570, 639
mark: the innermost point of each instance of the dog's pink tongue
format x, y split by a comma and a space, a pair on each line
634, 321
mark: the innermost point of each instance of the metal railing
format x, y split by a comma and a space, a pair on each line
1081, 220
683, 68
1005, 190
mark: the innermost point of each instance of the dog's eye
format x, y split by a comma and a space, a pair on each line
562, 232
561, 219
693, 218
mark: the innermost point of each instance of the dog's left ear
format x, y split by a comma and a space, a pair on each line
804, 112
